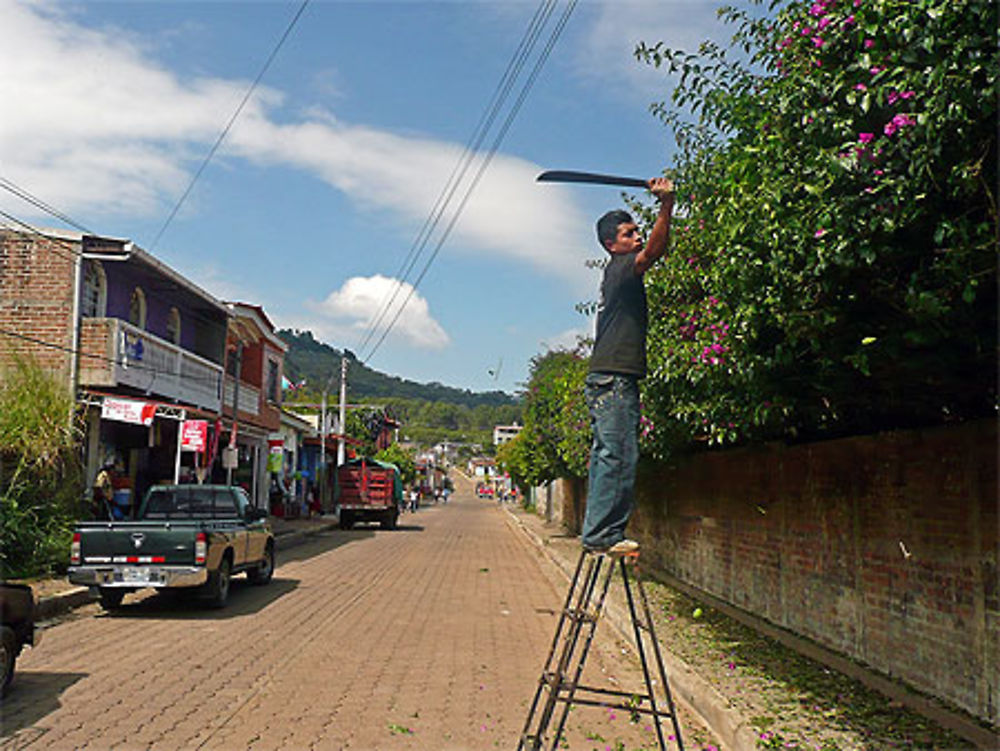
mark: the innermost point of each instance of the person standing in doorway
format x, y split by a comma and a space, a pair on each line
617, 364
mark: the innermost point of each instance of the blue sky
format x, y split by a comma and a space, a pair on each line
318, 194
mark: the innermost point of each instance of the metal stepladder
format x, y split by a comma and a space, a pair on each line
560, 679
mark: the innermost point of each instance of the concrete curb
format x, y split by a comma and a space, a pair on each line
58, 604
686, 686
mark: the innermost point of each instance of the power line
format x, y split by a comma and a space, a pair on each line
11, 187
229, 125
514, 65
102, 358
72, 254
528, 85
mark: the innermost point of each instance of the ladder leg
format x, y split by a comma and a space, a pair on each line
671, 708
595, 617
563, 616
574, 613
637, 631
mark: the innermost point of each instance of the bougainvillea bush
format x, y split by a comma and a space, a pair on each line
833, 264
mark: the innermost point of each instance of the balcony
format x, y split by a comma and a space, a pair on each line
249, 397
115, 353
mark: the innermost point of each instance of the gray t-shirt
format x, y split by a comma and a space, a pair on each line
620, 342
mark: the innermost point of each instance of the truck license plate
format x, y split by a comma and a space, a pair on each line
136, 575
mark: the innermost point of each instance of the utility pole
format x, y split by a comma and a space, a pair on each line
343, 410
236, 404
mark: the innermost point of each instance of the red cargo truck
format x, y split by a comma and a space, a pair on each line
369, 491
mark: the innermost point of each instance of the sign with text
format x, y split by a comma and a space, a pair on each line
128, 410
194, 435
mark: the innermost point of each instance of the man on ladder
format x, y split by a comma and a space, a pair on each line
616, 365
612, 391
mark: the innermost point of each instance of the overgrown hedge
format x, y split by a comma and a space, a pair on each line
833, 267
41, 476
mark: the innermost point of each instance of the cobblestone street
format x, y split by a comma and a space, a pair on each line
431, 636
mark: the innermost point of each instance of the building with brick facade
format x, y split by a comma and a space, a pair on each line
141, 346
255, 359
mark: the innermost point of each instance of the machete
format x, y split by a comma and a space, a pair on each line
565, 176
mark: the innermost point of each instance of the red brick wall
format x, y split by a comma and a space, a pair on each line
881, 547
36, 298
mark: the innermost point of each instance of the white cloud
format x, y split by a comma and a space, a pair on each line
606, 50
102, 128
347, 314
569, 338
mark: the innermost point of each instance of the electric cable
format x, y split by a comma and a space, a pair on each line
11, 187
500, 93
229, 125
512, 114
72, 254
103, 358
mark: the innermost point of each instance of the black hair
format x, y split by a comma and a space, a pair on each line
607, 226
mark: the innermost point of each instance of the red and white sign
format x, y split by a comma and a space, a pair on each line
127, 410
194, 435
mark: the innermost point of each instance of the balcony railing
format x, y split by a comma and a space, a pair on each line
116, 353
249, 397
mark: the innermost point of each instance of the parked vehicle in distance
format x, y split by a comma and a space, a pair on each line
185, 536
369, 490
17, 627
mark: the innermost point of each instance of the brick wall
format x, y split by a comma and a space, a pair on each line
881, 547
36, 298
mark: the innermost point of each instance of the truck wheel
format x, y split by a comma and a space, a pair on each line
219, 584
263, 573
8, 656
389, 520
346, 520
111, 598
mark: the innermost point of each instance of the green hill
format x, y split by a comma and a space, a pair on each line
314, 362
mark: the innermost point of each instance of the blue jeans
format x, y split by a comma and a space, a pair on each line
613, 400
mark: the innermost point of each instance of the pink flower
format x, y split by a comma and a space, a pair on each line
892, 98
823, 23
869, 43
857, 3
866, 137
849, 21
907, 95
818, 41
879, 172
860, 87
876, 70
820, 232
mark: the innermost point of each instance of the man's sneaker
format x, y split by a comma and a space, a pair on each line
620, 548
624, 547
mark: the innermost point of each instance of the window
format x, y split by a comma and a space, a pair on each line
95, 289
137, 308
174, 326
272, 381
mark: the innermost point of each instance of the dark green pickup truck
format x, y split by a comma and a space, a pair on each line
194, 536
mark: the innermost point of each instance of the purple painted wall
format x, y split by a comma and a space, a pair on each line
201, 332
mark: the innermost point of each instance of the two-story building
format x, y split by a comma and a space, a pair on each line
141, 346
255, 357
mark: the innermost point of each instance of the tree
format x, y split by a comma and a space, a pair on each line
834, 260
403, 459
555, 439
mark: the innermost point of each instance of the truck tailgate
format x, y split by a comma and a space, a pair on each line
137, 542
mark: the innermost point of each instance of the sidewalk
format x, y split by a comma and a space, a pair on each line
756, 692
55, 596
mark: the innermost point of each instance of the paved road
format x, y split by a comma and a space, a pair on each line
431, 636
